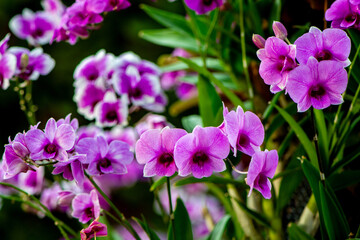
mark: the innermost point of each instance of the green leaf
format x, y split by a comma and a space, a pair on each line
346, 160
190, 122
275, 13
211, 179
255, 18
290, 182
335, 221
209, 102
160, 182
233, 98
322, 137
296, 233
169, 38
182, 228
259, 218
219, 228
309, 148
222, 77
344, 179
168, 19
211, 63
151, 234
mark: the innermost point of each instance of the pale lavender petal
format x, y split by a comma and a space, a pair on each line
65, 136
50, 129
121, 151
148, 146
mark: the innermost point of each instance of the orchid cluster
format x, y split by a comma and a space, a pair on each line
344, 14
105, 85
201, 152
319, 77
19, 62
56, 22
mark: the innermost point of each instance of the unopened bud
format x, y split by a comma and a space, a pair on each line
258, 40
279, 30
24, 61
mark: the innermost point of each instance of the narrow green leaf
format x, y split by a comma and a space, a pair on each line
169, 38
168, 19
322, 137
183, 229
255, 18
151, 234
291, 181
344, 179
296, 233
275, 13
219, 228
309, 148
335, 221
211, 179
233, 98
259, 218
346, 160
160, 182
211, 63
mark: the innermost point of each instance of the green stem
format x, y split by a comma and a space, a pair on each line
24, 91
123, 220
61, 225
316, 141
171, 215
270, 107
243, 53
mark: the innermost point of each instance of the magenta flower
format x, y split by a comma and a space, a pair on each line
104, 158
86, 206
72, 169
7, 63
331, 44
32, 181
53, 6
155, 149
277, 60
317, 84
262, 166
48, 196
51, 144
244, 130
127, 135
37, 28
15, 156
279, 30
151, 121
39, 63
111, 111
203, 6
343, 14
95, 229
201, 152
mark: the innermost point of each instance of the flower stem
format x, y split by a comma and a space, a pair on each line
60, 225
243, 53
24, 91
172, 219
316, 141
122, 219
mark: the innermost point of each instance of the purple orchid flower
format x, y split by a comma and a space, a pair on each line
185, 90
39, 63
47, 196
343, 14
86, 206
317, 84
155, 149
244, 130
277, 60
37, 28
15, 156
331, 44
127, 135
53, 6
104, 158
72, 169
96, 228
151, 121
100, 6
74, 123
201, 152
32, 181
262, 166
87, 97
7, 63
111, 111
203, 6
51, 144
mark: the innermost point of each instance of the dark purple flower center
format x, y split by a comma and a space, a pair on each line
27, 72
37, 33
207, 2
89, 212
260, 181
92, 74
114, 3
1, 80
323, 55
104, 163
350, 18
317, 92
111, 116
136, 93
166, 159
51, 148
243, 140
200, 158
